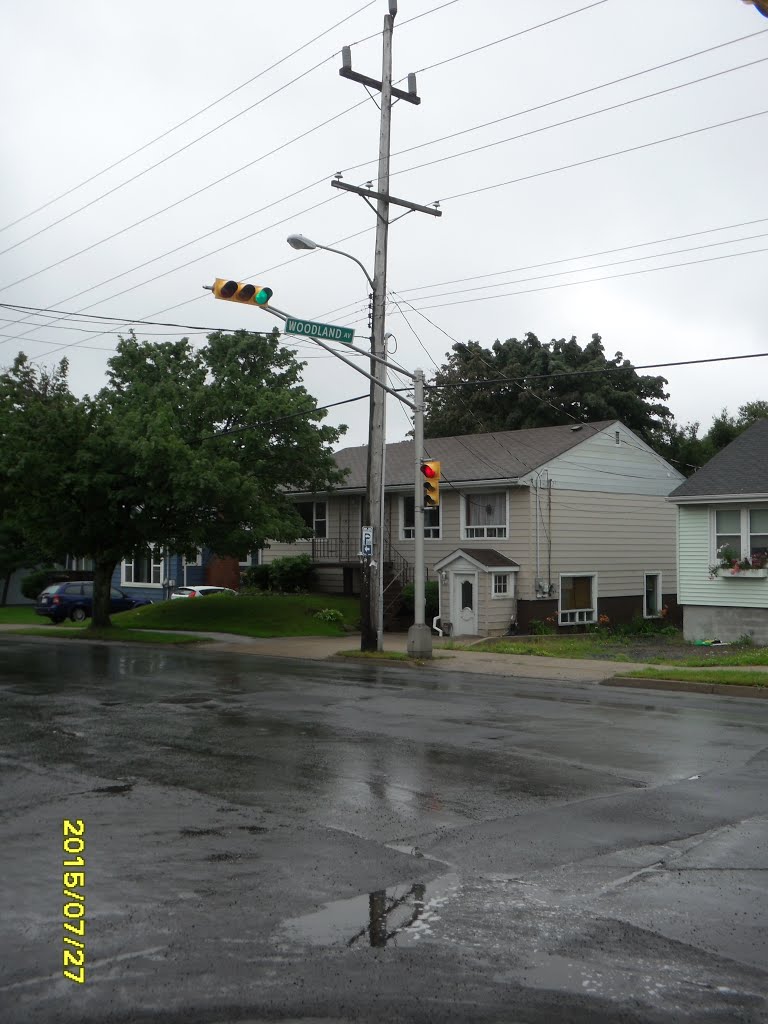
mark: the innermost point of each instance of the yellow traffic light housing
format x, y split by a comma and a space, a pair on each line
431, 472
235, 291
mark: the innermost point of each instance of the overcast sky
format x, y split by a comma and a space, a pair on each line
87, 83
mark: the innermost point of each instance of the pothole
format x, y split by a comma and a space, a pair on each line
401, 915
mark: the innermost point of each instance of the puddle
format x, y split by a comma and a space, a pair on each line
400, 915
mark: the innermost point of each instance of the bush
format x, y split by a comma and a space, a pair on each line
38, 580
256, 578
289, 575
537, 627
431, 602
329, 615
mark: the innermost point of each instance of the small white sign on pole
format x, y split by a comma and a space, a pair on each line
366, 542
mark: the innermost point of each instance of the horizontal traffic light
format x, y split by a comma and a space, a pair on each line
431, 472
235, 291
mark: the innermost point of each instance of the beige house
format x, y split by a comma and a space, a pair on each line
562, 523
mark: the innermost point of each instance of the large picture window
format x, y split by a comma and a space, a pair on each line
145, 567
485, 515
431, 520
578, 599
315, 515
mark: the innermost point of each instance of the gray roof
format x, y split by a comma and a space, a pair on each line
740, 468
503, 455
489, 557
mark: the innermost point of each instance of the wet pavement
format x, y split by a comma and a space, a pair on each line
281, 840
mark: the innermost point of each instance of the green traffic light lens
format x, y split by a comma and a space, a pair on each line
263, 296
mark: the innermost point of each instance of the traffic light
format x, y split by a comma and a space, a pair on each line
234, 291
760, 5
431, 471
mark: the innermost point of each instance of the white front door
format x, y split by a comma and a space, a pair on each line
464, 604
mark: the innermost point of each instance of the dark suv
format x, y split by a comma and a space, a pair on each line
74, 601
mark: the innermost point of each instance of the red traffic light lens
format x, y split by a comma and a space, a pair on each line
428, 471
228, 290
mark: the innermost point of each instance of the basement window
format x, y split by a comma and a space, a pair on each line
578, 599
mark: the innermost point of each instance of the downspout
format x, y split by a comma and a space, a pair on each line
536, 516
549, 545
438, 617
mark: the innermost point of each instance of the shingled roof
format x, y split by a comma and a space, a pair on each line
741, 468
503, 455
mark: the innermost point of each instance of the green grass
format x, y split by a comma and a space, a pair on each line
741, 656
262, 616
21, 616
711, 675
117, 635
386, 656
584, 646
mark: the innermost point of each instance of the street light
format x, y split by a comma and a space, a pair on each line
302, 242
371, 587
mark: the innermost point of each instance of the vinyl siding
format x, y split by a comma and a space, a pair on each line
695, 557
599, 464
618, 536
343, 524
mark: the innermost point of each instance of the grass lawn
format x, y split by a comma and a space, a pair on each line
583, 646
117, 635
265, 615
386, 656
21, 616
732, 655
710, 675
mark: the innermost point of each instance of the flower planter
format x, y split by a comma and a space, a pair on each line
742, 574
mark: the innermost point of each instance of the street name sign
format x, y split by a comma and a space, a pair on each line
325, 332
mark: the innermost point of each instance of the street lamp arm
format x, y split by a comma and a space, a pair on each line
349, 256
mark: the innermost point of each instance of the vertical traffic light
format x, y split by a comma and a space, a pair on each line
431, 472
234, 291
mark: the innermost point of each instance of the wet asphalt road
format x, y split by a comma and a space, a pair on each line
275, 840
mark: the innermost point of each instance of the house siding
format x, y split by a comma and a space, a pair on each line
619, 536
696, 555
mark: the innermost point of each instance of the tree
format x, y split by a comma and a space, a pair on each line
183, 448
683, 447
539, 397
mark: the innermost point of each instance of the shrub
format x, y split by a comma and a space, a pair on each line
537, 627
38, 580
329, 615
289, 575
256, 578
431, 602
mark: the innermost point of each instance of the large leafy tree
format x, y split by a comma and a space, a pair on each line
182, 448
683, 445
541, 398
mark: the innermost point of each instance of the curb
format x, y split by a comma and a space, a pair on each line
679, 685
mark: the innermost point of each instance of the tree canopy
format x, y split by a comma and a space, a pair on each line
538, 396
183, 448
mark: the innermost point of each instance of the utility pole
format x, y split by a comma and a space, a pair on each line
371, 597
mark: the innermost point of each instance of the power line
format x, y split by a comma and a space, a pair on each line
187, 120
605, 156
593, 280
578, 117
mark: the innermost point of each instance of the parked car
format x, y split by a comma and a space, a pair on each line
74, 601
202, 592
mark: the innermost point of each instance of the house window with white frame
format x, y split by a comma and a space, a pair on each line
485, 515
145, 567
743, 532
578, 599
431, 520
501, 585
315, 515
196, 559
75, 564
652, 595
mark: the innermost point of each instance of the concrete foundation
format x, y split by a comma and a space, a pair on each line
713, 623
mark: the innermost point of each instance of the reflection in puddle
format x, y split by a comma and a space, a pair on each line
401, 914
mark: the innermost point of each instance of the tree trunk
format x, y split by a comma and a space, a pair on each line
6, 584
102, 584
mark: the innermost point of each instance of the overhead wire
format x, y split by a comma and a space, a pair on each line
192, 117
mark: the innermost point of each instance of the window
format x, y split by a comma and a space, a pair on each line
74, 564
467, 594
652, 595
500, 584
431, 520
315, 516
197, 560
485, 515
247, 561
578, 599
144, 567
728, 531
743, 531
